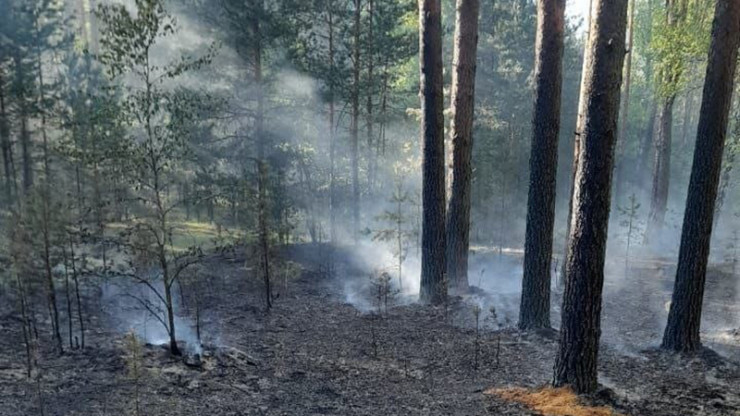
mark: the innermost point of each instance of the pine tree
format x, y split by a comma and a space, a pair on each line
576, 359
684, 317
535, 302
433, 285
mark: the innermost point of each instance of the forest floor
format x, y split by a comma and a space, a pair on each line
314, 354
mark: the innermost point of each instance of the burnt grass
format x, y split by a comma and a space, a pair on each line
313, 354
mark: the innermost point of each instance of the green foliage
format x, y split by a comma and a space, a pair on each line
680, 38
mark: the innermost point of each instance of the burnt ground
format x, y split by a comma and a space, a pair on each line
313, 354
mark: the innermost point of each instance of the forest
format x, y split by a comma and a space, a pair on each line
367, 207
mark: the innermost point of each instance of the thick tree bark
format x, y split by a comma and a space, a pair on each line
463, 111
355, 122
433, 285
576, 359
534, 311
684, 317
577, 137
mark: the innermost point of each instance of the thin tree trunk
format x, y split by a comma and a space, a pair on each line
576, 359
257, 57
543, 164
25, 323
355, 122
647, 141
332, 136
42, 110
433, 284
68, 297
688, 107
661, 169
684, 317
620, 178
463, 112
263, 232
370, 89
5, 144
663, 141
25, 135
52, 296
75, 277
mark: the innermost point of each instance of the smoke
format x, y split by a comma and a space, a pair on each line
135, 307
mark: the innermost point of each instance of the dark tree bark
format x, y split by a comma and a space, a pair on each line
576, 359
684, 317
577, 137
534, 311
433, 285
463, 111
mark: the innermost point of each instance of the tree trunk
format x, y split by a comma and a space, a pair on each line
543, 164
647, 142
433, 284
620, 178
577, 137
643, 161
576, 359
661, 169
370, 89
257, 57
463, 111
264, 232
52, 296
332, 137
5, 144
355, 122
75, 275
684, 317
25, 135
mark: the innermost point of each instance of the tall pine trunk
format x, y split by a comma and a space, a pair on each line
577, 137
433, 285
463, 111
684, 317
543, 165
576, 359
